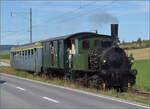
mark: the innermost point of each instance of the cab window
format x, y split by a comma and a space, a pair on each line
85, 44
97, 43
106, 43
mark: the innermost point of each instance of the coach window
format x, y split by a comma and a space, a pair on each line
25, 52
28, 52
85, 44
16, 53
35, 49
31, 51
22, 53
12, 53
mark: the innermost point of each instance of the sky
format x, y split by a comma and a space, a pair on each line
58, 18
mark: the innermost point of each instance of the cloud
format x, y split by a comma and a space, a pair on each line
131, 8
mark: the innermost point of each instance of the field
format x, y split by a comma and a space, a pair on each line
4, 51
139, 54
4, 56
143, 76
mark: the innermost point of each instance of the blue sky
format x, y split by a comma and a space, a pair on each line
51, 19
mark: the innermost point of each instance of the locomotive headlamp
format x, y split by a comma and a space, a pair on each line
132, 60
104, 61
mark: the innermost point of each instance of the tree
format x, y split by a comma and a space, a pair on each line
123, 42
139, 41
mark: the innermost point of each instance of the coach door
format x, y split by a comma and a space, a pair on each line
35, 59
56, 54
61, 53
51, 54
73, 51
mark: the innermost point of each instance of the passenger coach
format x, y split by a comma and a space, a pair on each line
27, 57
52, 54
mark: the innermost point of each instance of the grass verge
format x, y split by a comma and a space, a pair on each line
5, 60
113, 93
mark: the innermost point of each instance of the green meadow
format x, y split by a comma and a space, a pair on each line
143, 76
4, 56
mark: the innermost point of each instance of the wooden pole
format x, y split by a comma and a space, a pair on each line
30, 25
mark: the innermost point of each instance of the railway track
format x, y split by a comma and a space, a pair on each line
139, 92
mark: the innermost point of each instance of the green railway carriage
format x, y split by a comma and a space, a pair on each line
55, 54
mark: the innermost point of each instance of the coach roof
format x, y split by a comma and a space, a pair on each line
80, 34
72, 36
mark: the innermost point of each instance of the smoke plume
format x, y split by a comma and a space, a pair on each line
102, 18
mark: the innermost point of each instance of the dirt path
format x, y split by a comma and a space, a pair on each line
4, 64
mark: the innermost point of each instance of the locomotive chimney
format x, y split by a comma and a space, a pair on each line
96, 31
114, 33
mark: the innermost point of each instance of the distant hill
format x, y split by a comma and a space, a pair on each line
5, 48
135, 44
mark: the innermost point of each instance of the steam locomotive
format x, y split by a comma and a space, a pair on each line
86, 56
